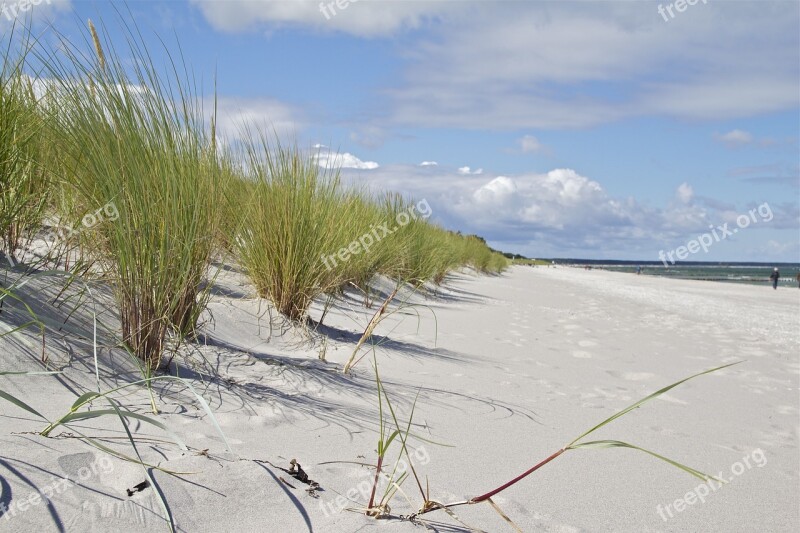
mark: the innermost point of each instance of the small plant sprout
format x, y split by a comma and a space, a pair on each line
379, 508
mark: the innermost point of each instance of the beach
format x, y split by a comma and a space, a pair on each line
500, 371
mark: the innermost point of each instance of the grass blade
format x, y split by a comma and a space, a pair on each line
167, 515
21, 405
619, 444
74, 417
647, 399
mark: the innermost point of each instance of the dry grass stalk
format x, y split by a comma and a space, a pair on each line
373, 323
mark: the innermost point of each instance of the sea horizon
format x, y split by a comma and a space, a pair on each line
750, 272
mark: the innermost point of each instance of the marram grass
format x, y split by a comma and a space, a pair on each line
131, 136
301, 234
136, 138
293, 217
24, 186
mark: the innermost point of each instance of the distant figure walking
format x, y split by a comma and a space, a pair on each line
638, 270
775, 276
798, 280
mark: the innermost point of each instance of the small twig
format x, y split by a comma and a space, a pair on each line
286, 482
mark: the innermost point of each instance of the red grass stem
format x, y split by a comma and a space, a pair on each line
488, 495
375, 485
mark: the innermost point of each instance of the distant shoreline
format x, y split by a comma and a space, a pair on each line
740, 273
678, 264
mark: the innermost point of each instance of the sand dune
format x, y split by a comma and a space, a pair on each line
507, 370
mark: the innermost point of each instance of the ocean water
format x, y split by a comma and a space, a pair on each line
733, 273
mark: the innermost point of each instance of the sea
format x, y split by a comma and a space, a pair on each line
752, 273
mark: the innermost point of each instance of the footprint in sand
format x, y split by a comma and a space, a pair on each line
580, 354
586, 344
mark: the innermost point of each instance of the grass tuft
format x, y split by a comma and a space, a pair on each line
135, 139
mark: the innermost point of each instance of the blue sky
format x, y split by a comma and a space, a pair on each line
592, 129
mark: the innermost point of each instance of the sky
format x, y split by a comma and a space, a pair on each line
585, 129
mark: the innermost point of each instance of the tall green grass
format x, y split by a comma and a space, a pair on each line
301, 233
24, 186
136, 137
129, 135
295, 215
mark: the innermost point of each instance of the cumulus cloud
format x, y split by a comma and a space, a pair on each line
560, 213
467, 170
429, 164
739, 138
497, 191
335, 160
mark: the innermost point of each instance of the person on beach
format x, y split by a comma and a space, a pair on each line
775, 276
638, 270
798, 280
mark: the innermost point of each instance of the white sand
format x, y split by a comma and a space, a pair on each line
522, 364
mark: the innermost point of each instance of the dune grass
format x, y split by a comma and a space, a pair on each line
122, 134
303, 234
293, 218
24, 184
136, 138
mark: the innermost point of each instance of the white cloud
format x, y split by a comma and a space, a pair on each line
234, 115
497, 191
685, 193
467, 170
335, 160
734, 138
429, 164
364, 18
509, 65
578, 64
560, 213
530, 144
